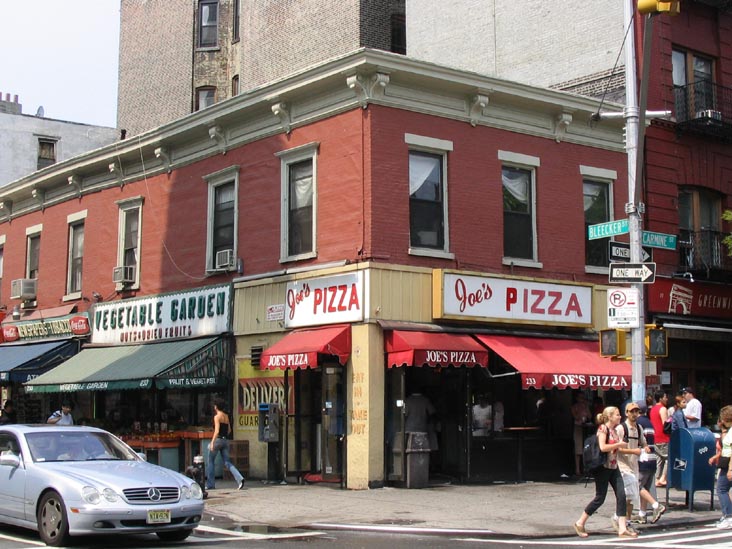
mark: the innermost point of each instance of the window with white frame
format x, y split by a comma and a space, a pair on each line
428, 224
33, 252
76, 253
518, 179
2, 250
598, 206
130, 233
299, 202
208, 23
222, 219
205, 97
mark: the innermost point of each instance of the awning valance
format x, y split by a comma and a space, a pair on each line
407, 348
548, 363
175, 364
21, 362
300, 348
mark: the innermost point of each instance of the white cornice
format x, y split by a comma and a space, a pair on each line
351, 81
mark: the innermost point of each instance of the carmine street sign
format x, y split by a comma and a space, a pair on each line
644, 273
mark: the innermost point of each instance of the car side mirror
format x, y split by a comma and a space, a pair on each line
142, 455
10, 459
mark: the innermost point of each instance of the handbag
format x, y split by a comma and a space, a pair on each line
668, 427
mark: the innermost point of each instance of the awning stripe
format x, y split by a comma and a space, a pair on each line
559, 363
407, 348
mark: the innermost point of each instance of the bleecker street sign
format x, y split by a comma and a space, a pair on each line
644, 273
611, 228
620, 251
659, 240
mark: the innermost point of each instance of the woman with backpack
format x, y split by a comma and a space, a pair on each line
608, 475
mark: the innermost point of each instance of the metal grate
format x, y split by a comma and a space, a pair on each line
256, 353
152, 494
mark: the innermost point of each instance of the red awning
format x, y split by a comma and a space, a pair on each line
561, 363
300, 348
433, 349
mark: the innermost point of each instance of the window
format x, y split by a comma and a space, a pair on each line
693, 84
128, 247
46, 152
518, 177
222, 219
205, 97
76, 257
235, 85
208, 23
428, 227
235, 23
33, 255
299, 192
2, 249
700, 224
597, 210
398, 33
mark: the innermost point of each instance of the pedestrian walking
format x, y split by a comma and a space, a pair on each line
9, 415
220, 443
608, 475
62, 416
658, 416
724, 476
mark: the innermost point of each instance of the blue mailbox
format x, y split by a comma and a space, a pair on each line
689, 469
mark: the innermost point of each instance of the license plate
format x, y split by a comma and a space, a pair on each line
158, 517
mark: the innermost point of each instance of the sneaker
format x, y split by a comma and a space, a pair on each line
631, 529
241, 485
725, 524
639, 520
614, 521
657, 512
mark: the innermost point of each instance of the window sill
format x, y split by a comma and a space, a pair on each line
300, 257
594, 269
208, 49
427, 252
517, 262
71, 297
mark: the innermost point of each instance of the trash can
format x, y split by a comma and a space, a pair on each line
689, 469
418, 460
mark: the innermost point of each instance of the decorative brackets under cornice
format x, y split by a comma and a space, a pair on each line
75, 182
368, 87
478, 102
217, 134
281, 111
561, 123
6, 208
161, 153
40, 196
116, 170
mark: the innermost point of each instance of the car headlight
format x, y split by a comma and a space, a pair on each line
185, 492
91, 495
110, 495
196, 492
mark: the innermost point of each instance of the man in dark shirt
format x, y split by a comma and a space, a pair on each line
9, 415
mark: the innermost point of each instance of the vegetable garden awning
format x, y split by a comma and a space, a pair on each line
174, 364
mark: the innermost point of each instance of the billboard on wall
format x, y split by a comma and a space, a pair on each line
255, 387
176, 315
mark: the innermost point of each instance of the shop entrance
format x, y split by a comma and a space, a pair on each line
320, 422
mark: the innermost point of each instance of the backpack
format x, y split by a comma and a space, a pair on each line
592, 456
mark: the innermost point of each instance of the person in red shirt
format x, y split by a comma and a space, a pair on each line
658, 416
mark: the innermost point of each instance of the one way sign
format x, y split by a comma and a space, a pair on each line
644, 273
620, 251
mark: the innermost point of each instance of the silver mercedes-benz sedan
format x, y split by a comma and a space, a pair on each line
67, 481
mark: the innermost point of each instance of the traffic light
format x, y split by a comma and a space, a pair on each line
656, 341
612, 342
656, 6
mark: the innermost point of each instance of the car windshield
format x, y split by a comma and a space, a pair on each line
64, 445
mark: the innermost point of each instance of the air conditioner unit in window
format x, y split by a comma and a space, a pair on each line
23, 288
224, 259
123, 274
711, 116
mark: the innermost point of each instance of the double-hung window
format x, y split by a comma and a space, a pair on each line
130, 234
693, 78
518, 178
205, 97
299, 202
428, 223
597, 202
236, 8
46, 152
208, 23
76, 254
33, 250
222, 219
700, 229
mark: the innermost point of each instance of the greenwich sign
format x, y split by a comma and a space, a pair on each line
476, 297
201, 312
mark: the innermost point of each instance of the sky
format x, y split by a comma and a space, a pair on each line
62, 55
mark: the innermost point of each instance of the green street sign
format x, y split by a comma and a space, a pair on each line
659, 240
605, 230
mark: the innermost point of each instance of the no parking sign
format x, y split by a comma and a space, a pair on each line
622, 308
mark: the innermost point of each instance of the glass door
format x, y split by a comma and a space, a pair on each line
333, 422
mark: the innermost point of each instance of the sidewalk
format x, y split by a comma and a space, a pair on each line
527, 510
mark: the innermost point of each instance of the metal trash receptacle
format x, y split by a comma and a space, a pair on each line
418, 460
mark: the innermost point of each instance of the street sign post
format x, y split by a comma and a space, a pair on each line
658, 240
639, 273
620, 251
604, 230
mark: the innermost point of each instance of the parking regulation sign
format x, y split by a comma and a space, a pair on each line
622, 308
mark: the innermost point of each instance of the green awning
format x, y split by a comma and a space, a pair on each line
175, 364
